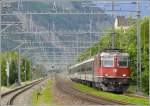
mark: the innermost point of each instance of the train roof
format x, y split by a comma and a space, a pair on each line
113, 54
106, 52
86, 61
113, 50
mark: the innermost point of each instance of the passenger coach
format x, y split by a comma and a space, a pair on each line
108, 71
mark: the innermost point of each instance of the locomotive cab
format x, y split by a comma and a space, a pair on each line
114, 65
113, 72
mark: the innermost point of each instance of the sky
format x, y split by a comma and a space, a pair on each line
144, 7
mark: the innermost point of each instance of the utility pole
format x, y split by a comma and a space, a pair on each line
30, 23
30, 71
7, 73
20, 5
54, 51
113, 30
149, 53
25, 71
77, 38
90, 36
0, 45
139, 74
149, 60
19, 71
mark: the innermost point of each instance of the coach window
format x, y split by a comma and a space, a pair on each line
89, 67
123, 61
100, 61
82, 69
107, 61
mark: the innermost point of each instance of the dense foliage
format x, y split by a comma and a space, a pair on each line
12, 59
126, 40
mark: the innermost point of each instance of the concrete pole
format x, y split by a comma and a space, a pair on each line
7, 73
19, 72
31, 69
149, 53
97, 48
139, 74
77, 45
30, 72
113, 30
90, 37
0, 46
54, 50
25, 71
20, 5
149, 60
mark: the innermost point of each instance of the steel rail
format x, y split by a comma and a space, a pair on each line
20, 89
11, 101
62, 85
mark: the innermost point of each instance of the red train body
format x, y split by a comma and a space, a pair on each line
108, 71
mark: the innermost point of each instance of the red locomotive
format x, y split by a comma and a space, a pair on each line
108, 71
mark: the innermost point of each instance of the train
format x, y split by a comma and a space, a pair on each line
109, 71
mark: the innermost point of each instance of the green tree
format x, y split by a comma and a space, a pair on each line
12, 58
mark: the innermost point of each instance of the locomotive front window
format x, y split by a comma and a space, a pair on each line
107, 61
123, 61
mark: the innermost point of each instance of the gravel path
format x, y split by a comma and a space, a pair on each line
62, 98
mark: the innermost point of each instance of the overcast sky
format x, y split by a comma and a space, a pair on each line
145, 5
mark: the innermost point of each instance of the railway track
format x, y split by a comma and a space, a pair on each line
9, 97
66, 86
134, 95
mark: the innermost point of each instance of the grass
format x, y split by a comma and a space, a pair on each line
108, 95
13, 86
45, 96
5, 89
132, 89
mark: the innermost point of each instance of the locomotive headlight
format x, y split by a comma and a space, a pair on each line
106, 74
124, 75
